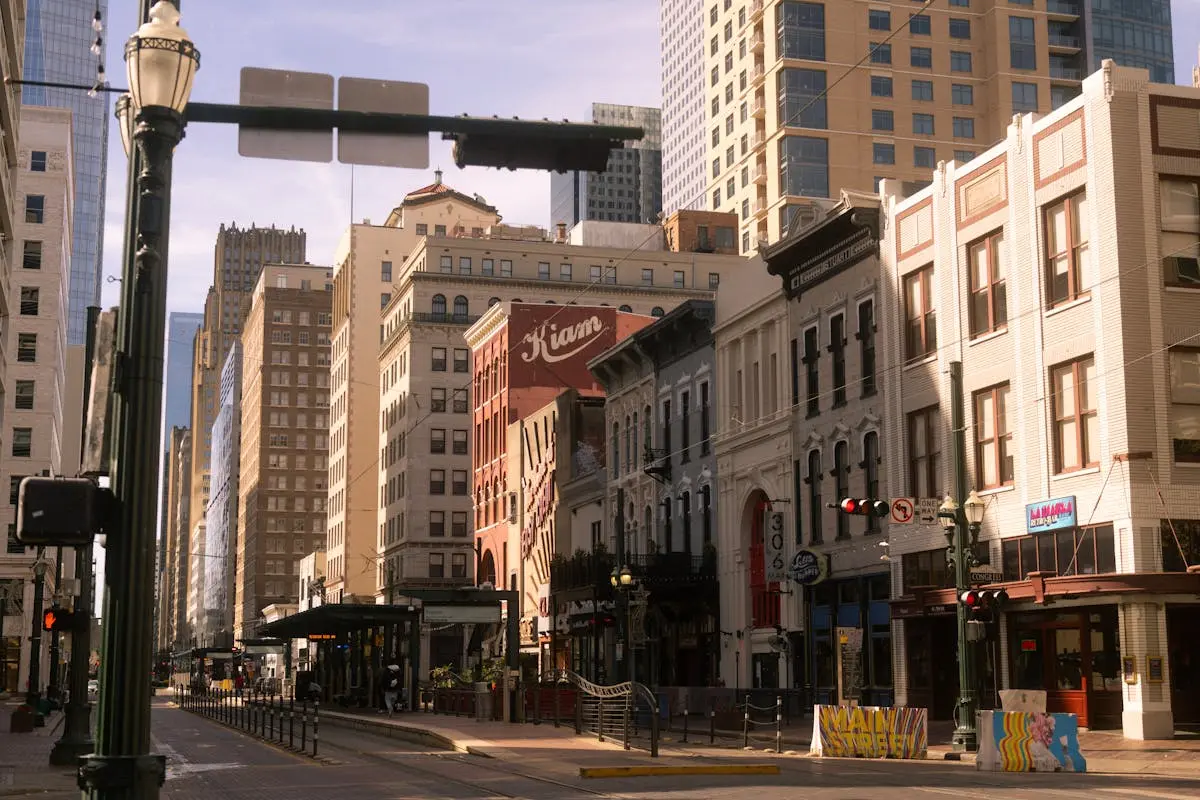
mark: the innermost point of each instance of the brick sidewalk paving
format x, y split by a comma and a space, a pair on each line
25, 761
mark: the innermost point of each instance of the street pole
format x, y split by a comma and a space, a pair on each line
33, 695
76, 739
964, 739
52, 687
620, 597
122, 767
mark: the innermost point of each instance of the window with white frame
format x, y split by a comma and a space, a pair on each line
1185, 404
1180, 237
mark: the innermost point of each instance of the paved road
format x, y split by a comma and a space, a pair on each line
209, 761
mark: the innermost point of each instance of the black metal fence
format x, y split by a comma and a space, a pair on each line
267, 716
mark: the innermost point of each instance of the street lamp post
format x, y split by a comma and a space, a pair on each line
33, 696
959, 522
161, 64
622, 581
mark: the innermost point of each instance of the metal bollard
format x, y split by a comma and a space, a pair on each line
746, 724
712, 720
778, 724
280, 740
316, 723
303, 723
685, 723
600, 719
292, 721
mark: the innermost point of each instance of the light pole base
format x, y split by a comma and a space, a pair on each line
112, 777
965, 740
76, 741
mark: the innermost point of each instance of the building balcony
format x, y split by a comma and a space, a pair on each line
759, 208
756, 10
759, 109
1063, 41
757, 43
675, 568
758, 140
1064, 8
589, 572
1066, 73
758, 75
759, 175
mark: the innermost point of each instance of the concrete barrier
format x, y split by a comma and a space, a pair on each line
870, 732
1023, 741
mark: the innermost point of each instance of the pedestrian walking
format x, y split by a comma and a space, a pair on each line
391, 687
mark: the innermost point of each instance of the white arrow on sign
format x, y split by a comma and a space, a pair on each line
927, 510
903, 510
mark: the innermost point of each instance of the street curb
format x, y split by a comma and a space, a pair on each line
690, 769
403, 732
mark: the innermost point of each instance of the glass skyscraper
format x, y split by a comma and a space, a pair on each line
58, 40
1134, 33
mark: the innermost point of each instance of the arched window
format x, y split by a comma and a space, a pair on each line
841, 482
657, 311
636, 446
648, 522
549, 302
815, 510
626, 308
616, 449
518, 300
648, 443
871, 471
461, 307
439, 304
493, 301
629, 434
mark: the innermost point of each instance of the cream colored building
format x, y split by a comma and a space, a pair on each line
173, 629
1060, 269
754, 466
35, 333
369, 267
945, 86
283, 482
12, 29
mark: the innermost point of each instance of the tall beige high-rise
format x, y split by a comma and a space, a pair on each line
369, 261
283, 479
173, 631
12, 29
945, 87
34, 350
238, 260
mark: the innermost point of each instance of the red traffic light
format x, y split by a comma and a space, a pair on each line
865, 507
850, 506
972, 599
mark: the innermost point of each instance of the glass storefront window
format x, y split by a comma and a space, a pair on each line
1076, 551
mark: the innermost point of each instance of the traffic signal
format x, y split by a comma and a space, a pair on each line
59, 619
982, 602
60, 512
517, 150
868, 507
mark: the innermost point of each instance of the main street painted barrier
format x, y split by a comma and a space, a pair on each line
869, 732
1029, 742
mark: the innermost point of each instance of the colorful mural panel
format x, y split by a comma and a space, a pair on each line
869, 732
1029, 742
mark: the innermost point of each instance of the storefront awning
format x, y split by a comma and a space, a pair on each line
1043, 589
335, 618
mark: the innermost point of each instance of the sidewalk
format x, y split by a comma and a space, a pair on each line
25, 769
561, 749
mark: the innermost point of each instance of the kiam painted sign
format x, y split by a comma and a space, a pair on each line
1050, 515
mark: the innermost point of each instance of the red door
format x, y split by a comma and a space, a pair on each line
764, 597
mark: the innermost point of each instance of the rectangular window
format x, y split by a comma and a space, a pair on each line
438, 359
964, 156
802, 98
422, 229
1185, 404
487, 266
22, 442
801, 30
804, 166
459, 481
458, 524
1179, 201
437, 481
881, 53
464, 265
437, 399
919, 25
881, 86
23, 395
882, 120
841, 485
544, 270
685, 434
866, 346
1068, 272
14, 489
437, 523
964, 128
458, 565
870, 467
1071, 551
439, 230
705, 424
460, 401
922, 124
1076, 423
920, 57
678, 279
1022, 46
1024, 97
816, 509
879, 20
385, 271
30, 300
989, 288
460, 359
993, 438
812, 372
437, 565
35, 208
960, 61
505, 268
437, 440
883, 153
922, 91
714, 280
666, 426
960, 28
647, 277
962, 94
924, 157
37, 161
920, 330
837, 346
31, 256
564, 272
446, 264
460, 443
924, 452
795, 350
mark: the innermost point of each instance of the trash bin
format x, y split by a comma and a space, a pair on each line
483, 702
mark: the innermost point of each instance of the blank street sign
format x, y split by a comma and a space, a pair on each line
383, 149
277, 87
